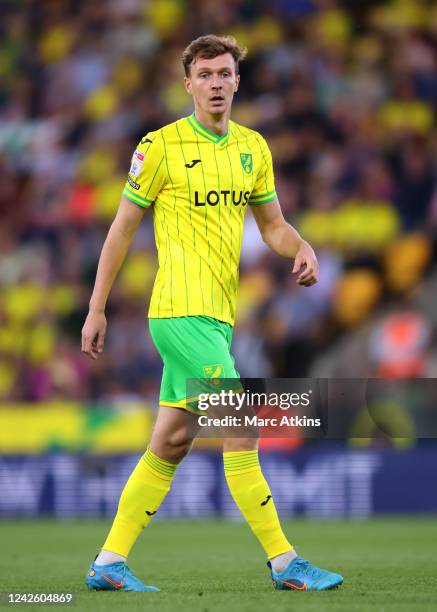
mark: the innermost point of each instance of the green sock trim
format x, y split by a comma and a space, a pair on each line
241, 460
163, 467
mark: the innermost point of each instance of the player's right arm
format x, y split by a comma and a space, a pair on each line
146, 178
115, 248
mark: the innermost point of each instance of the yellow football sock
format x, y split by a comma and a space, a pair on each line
252, 495
142, 495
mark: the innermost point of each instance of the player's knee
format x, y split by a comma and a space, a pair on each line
175, 447
234, 445
176, 451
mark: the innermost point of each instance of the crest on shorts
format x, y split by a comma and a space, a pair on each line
213, 371
246, 162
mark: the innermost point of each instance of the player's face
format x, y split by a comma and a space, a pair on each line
212, 83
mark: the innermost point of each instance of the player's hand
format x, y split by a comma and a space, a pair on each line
306, 259
93, 334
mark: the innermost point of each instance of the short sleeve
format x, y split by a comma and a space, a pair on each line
264, 189
147, 174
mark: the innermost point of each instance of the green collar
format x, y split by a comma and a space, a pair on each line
203, 131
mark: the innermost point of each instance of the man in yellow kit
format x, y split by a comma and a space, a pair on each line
198, 175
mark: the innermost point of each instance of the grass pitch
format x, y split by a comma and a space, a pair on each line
209, 566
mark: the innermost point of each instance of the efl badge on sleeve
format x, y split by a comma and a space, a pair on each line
136, 163
246, 162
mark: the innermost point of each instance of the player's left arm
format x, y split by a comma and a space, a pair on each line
284, 240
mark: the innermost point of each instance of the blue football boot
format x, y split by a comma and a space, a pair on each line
114, 577
300, 575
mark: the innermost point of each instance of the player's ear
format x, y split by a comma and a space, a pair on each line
237, 82
187, 85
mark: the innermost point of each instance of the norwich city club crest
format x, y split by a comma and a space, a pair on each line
246, 162
213, 371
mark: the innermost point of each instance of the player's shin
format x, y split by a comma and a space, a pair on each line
252, 495
140, 500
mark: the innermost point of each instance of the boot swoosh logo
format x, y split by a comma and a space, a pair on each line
117, 585
295, 587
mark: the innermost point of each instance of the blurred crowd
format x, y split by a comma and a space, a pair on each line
344, 93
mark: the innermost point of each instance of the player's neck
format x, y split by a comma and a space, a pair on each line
218, 124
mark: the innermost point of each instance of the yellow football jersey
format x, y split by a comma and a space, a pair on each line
200, 185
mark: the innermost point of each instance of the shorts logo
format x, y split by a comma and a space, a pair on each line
213, 371
246, 162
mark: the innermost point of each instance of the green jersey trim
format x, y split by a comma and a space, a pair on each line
262, 199
137, 199
203, 131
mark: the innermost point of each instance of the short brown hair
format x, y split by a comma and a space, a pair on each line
210, 46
